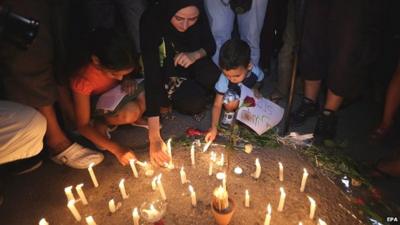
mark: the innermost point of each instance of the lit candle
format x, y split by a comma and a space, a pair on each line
152, 212
169, 150
213, 156
133, 167
81, 194
92, 175
192, 155
281, 200
304, 180
267, 220
161, 188
221, 200
300, 223
135, 216
238, 170
210, 169
248, 148
43, 222
183, 176
193, 196
122, 189
313, 207
321, 222
280, 171
247, 199
154, 183
257, 173
68, 193
90, 221
111, 206
74, 211
206, 146
221, 162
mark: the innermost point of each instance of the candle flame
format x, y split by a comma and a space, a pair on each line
257, 161
152, 207
121, 183
321, 222
71, 203
305, 171
280, 165
135, 212
282, 191
312, 201
300, 223
191, 189
91, 165
247, 192
269, 210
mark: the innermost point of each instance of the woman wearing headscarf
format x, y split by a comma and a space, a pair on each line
177, 46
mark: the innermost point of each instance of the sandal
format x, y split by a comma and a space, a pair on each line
78, 157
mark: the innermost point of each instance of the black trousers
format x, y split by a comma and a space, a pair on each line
335, 45
191, 96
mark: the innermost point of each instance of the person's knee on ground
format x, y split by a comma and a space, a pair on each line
127, 115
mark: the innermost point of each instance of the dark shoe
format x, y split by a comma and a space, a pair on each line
326, 126
22, 166
307, 109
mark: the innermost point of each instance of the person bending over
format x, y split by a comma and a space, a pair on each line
110, 60
234, 60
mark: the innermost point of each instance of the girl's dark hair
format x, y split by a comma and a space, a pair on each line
114, 49
234, 53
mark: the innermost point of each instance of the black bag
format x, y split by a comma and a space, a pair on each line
240, 6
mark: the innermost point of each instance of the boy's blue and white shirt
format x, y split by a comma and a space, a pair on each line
223, 84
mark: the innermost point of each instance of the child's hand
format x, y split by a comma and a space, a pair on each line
128, 86
211, 134
125, 156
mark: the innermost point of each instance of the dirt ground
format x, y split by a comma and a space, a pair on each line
41, 194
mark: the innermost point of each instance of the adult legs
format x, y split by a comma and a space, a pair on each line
250, 26
221, 19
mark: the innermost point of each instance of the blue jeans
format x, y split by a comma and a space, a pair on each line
250, 24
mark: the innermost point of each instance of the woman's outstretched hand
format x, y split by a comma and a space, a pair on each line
158, 152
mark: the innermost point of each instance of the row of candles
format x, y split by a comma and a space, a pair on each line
156, 184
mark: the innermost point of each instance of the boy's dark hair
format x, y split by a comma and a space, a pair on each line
233, 54
114, 49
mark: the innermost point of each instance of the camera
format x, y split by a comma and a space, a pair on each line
17, 29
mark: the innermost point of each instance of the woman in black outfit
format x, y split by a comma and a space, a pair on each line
176, 44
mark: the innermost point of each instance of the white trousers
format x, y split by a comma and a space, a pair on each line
22, 129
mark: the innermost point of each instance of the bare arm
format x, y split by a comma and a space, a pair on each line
215, 115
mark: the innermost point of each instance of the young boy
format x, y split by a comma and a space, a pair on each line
234, 60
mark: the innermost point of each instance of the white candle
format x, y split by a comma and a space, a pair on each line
193, 196
68, 193
122, 189
221, 162
92, 175
206, 146
238, 170
213, 156
247, 199
267, 220
257, 173
281, 200
169, 150
304, 180
183, 175
90, 221
154, 183
111, 206
248, 148
43, 222
81, 194
135, 216
161, 188
280, 171
313, 207
74, 211
321, 222
192, 155
210, 168
151, 212
132, 162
